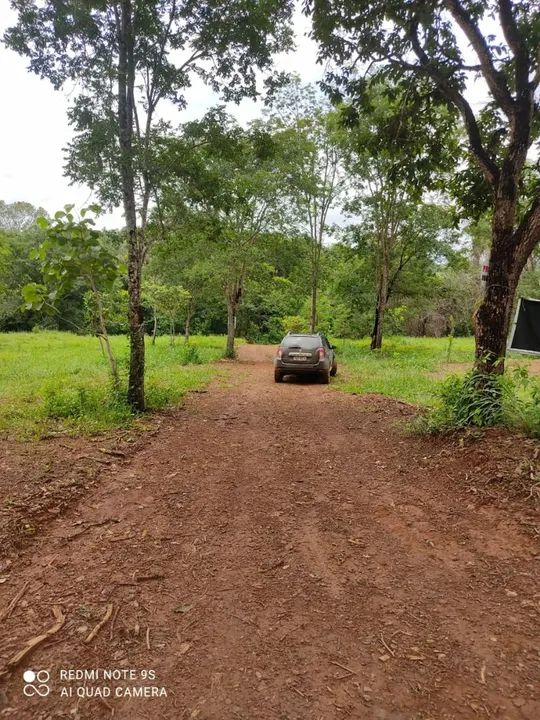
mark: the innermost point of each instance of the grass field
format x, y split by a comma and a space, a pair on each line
411, 369
59, 382
52, 382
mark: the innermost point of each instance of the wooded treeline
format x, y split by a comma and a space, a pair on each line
435, 295
364, 215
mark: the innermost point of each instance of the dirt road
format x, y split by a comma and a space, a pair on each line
282, 552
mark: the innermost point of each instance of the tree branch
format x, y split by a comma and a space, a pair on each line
527, 235
486, 162
517, 44
495, 79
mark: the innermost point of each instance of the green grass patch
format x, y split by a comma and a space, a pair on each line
407, 368
59, 382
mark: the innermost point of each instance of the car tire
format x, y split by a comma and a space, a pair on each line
333, 371
278, 375
325, 377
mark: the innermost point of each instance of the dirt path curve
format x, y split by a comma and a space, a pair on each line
282, 552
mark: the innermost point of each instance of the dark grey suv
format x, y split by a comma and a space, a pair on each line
302, 354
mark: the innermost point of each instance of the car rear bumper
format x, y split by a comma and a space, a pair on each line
299, 368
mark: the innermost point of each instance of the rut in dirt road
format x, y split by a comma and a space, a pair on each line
284, 552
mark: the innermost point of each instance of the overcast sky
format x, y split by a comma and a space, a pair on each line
34, 128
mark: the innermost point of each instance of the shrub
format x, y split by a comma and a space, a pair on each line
478, 399
294, 323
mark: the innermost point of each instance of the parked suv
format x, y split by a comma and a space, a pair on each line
303, 354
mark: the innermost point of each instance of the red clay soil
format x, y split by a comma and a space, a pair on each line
281, 552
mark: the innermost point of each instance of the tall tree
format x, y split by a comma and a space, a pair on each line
312, 170
392, 160
451, 44
233, 186
126, 56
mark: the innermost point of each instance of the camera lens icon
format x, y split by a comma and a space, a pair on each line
36, 683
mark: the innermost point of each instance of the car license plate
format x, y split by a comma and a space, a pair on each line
299, 356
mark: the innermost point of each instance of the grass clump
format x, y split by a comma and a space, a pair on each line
477, 399
484, 400
190, 355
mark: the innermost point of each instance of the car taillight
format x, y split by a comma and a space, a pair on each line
322, 353
280, 352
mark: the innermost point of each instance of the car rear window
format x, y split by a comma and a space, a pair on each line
309, 342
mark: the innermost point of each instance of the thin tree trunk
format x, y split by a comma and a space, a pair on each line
173, 332
232, 305
234, 294
231, 328
187, 326
104, 338
126, 83
380, 308
102, 346
313, 314
154, 329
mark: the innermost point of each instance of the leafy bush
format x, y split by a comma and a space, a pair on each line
524, 412
484, 400
473, 400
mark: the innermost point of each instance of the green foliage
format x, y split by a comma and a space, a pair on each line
52, 382
294, 324
226, 44
73, 250
169, 301
190, 355
17, 216
473, 400
483, 400
114, 306
80, 404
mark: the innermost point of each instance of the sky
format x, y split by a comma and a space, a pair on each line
34, 128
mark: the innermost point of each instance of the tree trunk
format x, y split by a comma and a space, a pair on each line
104, 338
231, 326
154, 329
173, 333
313, 314
234, 294
187, 326
510, 249
126, 83
380, 308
